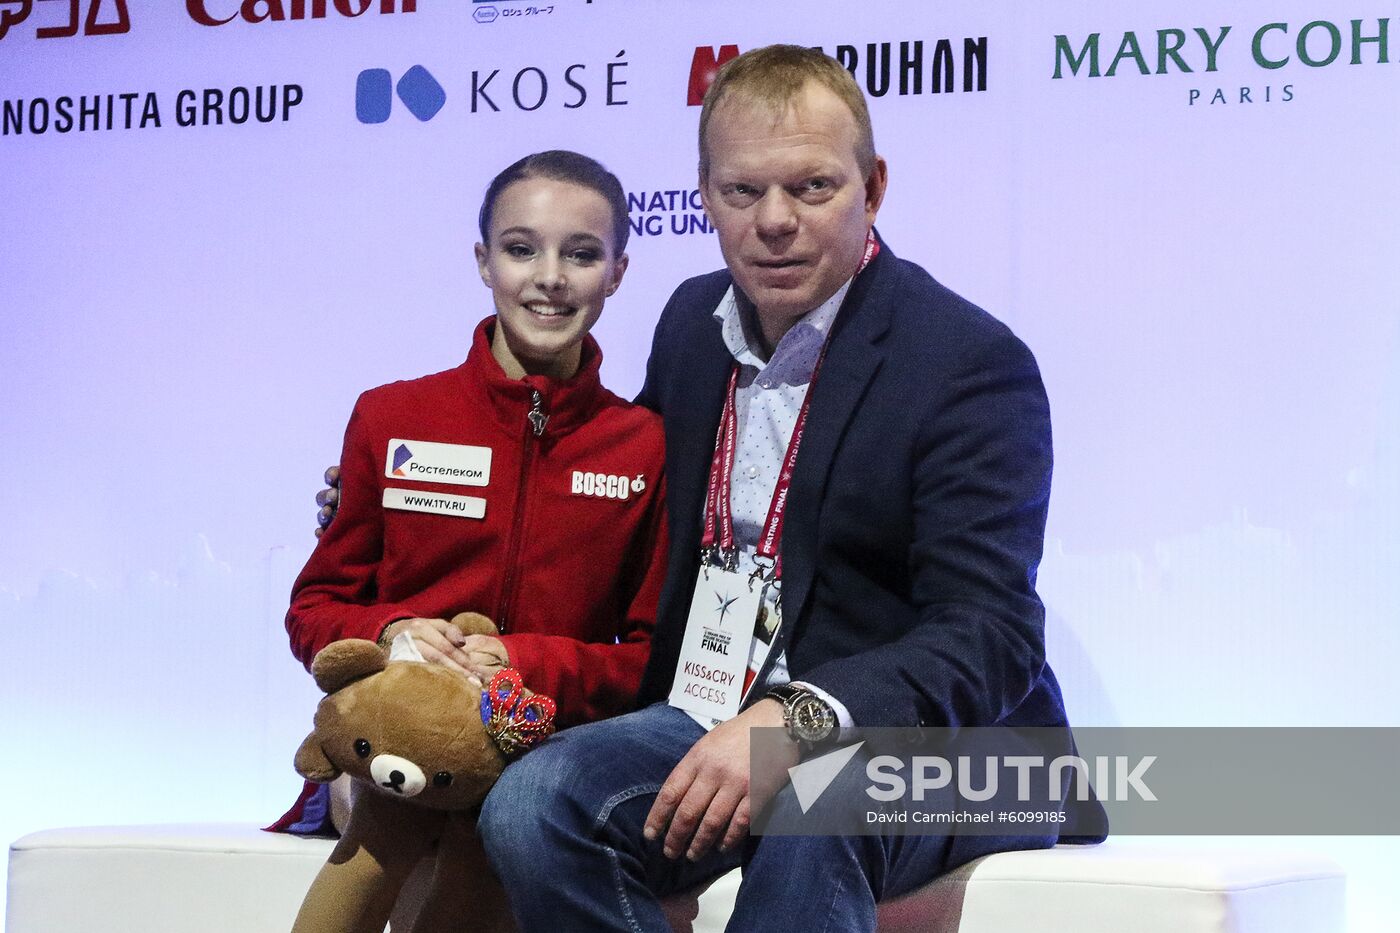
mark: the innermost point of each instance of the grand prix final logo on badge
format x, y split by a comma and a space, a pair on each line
717, 639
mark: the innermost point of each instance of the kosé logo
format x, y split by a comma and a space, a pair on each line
528, 89
419, 91
532, 87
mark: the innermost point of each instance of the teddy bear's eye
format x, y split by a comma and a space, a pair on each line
362, 748
442, 779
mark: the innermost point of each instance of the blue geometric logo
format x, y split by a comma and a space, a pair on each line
373, 95
421, 93
418, 89
485, 14
401, 456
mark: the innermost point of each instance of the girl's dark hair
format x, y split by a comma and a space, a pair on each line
561, 165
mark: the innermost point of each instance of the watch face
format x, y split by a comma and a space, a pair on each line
812, 719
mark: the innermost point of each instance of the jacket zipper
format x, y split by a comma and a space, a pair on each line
535, 420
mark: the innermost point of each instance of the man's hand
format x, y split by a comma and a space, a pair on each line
439, 641
488, 655
328, 499
707, 797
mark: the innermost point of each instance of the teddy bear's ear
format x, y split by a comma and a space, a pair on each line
474, 623
311, 762
343, 662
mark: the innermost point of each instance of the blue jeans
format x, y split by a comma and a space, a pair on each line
563, 829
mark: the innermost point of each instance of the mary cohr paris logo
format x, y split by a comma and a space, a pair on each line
1281, 54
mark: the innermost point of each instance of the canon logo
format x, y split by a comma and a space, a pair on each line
260, 11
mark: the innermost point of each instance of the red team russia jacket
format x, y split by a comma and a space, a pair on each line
537, 502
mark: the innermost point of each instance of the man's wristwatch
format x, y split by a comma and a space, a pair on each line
810, 721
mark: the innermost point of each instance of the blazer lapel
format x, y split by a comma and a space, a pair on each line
691, 423
852, 359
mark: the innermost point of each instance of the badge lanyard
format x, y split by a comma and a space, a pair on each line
718, 535
712, 668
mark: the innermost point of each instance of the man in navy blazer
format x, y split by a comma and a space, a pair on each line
911, 532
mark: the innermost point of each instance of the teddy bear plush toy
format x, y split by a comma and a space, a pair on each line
423, 744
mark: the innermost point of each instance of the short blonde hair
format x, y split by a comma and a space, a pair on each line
775, 75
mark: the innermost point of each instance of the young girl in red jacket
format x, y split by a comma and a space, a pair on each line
513, 485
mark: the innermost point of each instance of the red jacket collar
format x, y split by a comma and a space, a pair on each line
568, 402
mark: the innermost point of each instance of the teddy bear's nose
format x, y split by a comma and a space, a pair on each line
397, 775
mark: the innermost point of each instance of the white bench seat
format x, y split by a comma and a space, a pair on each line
219, 878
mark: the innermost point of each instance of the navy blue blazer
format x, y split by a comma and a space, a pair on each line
916, 516
917, 509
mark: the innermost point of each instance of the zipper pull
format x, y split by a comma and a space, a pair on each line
537, 416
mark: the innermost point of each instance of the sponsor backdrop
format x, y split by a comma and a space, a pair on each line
222, 220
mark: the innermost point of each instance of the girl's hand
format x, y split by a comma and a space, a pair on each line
440, 642
487, 655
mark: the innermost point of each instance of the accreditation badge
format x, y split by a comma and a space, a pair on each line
709, 677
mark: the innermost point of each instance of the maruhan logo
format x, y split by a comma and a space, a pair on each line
811, 778
901, 68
